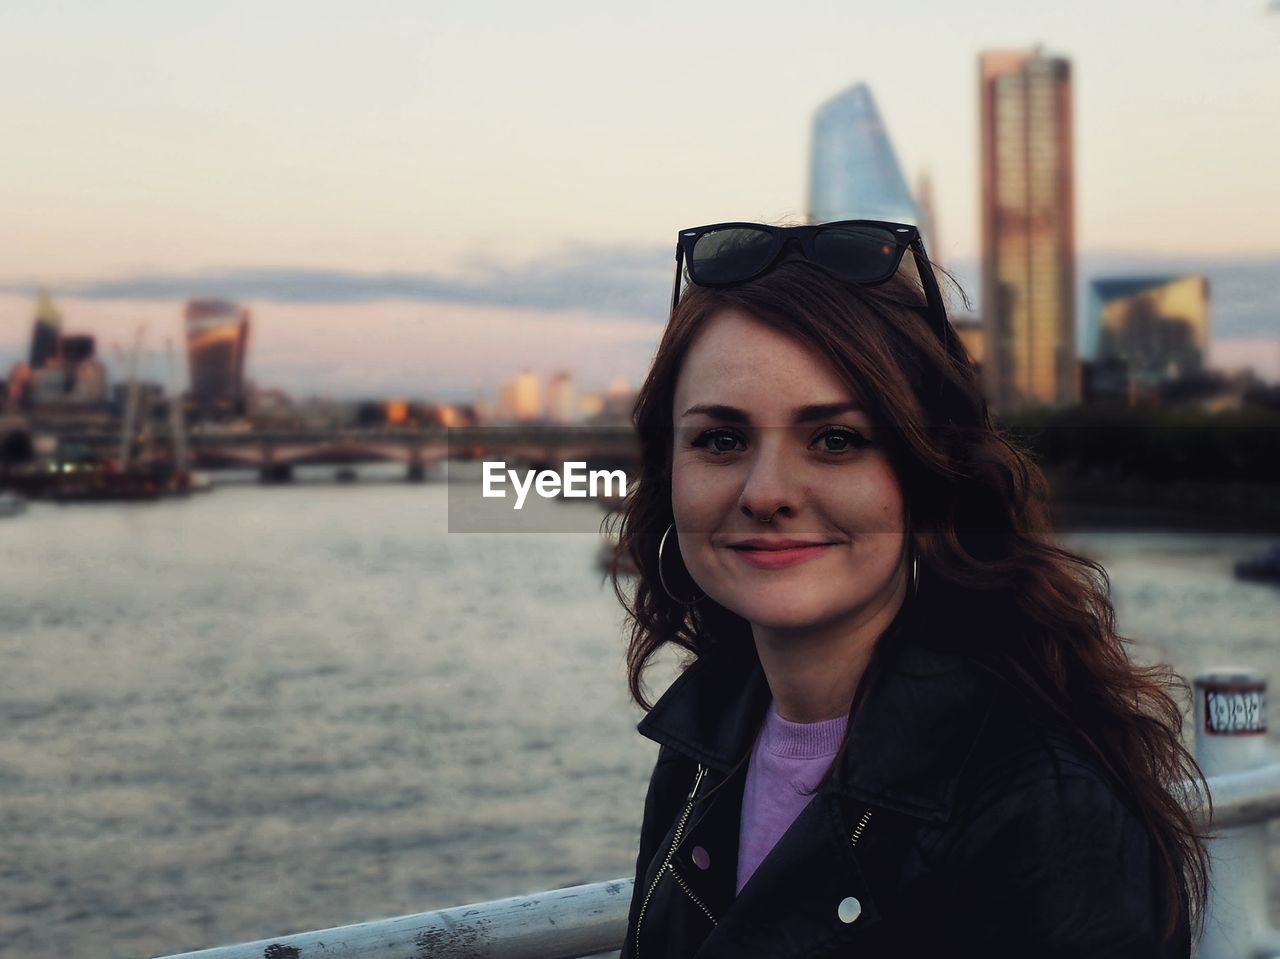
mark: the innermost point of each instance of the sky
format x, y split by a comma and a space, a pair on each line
463, 141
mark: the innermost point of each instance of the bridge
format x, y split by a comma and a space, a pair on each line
275, 453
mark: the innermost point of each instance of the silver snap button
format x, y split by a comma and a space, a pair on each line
701, 858
850, 909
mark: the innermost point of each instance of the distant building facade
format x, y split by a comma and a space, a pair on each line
89, 383
63, 375
854, 172
1028, 230
17, 388
46, 331
562, 404
520, 398
969, 329
1144, 332
217, 344
49, 385
78, 348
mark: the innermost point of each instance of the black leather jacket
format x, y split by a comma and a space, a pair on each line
957, 824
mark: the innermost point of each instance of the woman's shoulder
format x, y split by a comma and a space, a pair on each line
1043, 838
1034, 781
1023, 749
1012, 742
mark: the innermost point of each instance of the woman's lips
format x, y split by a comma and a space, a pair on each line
779, 558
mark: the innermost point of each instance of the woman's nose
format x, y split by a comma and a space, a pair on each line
767, 489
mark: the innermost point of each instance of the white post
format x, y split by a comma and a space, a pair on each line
1231, 733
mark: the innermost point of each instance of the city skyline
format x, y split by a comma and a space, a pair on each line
354, 346
64, 379
326, 350
401, 138
270, 181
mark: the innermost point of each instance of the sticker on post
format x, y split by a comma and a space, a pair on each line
1233, 711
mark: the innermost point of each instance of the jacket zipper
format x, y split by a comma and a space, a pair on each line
857, 830
666, 863
689, 892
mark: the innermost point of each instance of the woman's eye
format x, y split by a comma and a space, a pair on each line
840, 441
718, 441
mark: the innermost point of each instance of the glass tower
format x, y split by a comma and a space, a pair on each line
854, 173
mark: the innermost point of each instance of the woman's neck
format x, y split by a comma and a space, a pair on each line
814, 674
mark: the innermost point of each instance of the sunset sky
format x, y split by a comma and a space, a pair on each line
466, 141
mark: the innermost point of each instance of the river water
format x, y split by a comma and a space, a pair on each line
273, 709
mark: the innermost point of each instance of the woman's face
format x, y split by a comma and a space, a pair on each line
766, 430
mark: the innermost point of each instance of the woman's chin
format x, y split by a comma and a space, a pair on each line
785, 617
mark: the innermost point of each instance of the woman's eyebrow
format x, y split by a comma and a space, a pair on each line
803, 414
730, 414
822, 411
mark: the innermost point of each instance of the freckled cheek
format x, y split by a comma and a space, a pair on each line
873, 502
890, 502
701, 497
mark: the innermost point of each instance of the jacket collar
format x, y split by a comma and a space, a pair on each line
907, 745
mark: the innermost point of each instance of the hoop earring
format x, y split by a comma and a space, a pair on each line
915, 556
662, 577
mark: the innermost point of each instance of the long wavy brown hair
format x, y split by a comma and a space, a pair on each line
979, 523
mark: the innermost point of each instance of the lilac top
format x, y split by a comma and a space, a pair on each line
787, 761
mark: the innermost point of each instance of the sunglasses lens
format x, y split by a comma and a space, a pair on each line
860, 254
730, 255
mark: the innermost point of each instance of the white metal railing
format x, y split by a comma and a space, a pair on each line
560, 924
1244, 780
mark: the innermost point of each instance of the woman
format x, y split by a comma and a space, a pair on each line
908, 726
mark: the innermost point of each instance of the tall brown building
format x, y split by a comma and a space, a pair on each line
1028, 232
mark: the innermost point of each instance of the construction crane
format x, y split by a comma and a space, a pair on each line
177, 429
127, 428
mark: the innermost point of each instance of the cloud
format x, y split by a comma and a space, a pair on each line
618, 282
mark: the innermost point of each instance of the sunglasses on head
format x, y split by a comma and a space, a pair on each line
860, 251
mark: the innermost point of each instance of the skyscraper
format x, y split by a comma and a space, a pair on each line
854, 173
1028, 233
46, 331
217, 341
